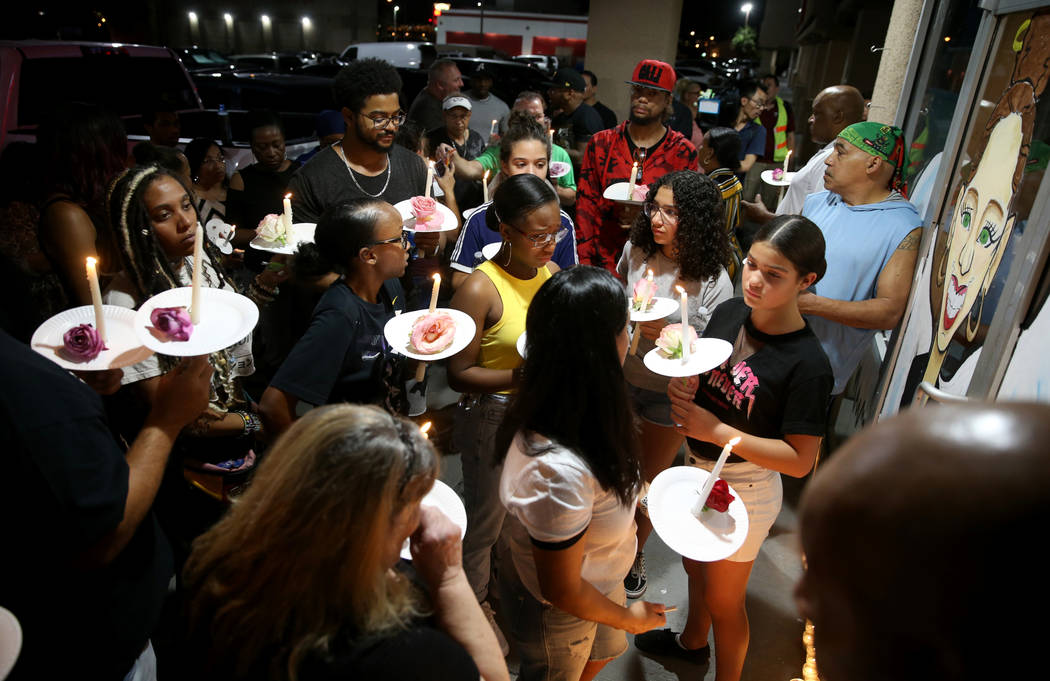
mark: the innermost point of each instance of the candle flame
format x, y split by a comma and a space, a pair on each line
735, 441
91, 261
425, 429
649, 276
437, 277
486, 176
679, 288
431, 164
288, 195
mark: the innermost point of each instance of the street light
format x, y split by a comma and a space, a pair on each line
746, 9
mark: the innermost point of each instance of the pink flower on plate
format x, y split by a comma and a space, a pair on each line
778, 174
641, 191
428, 215
173, 322
559, 169
432, 333
670, 341
644, 292
82, 343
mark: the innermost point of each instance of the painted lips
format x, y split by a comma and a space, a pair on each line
953, 302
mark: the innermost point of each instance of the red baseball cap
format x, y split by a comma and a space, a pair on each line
655, 74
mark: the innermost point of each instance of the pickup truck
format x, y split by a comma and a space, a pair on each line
36, 76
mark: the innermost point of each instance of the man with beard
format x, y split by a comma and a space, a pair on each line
602, 225
367, 163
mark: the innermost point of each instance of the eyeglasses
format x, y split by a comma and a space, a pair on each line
381, 121
214, 161
669, 213
545, 239
405, 243
760, 103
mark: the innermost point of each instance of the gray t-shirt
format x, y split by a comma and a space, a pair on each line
704, 297
426, 111
326, 181
484, 111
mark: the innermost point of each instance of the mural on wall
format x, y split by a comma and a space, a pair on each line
966, 271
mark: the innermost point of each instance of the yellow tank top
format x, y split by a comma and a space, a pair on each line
498, 342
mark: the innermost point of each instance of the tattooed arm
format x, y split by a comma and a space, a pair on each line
883, 311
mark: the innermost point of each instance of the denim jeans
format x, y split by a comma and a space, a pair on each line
477, 419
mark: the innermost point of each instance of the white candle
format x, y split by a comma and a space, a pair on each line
195, 295
485, 185
96, 298
287, 217
786, 159
430, 178
685, 324
634, 174
494, 128
434, 293
705, 491
550, 135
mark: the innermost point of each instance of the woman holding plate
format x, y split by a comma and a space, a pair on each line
155, 223
679, 238
343, 356
496, 296
772, 393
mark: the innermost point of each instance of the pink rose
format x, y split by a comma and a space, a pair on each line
432, 333
644, 291
559, 169
670, 341
778, 174
174, 322
427, 214
641, 191
82, 343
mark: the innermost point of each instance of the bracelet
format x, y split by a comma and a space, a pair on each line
261, 294
252, 422
257, 282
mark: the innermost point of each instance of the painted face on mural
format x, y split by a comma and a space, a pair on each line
980, 228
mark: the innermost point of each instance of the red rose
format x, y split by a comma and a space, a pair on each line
720, 498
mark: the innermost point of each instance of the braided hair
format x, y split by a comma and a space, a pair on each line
144, 261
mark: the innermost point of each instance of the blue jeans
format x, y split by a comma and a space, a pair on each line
477, 419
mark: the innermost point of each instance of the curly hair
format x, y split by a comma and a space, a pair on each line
521, 126
701, 245
362, 79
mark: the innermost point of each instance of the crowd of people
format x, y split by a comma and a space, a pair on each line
247, 511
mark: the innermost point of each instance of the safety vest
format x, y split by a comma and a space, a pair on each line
780, 138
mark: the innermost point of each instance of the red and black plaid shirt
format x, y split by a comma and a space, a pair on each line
608, 159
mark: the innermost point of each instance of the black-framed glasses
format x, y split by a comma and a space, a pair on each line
545, 239
380, 121
405, 243
669, 213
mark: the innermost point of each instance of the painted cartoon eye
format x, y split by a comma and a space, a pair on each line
988, 235
967, 215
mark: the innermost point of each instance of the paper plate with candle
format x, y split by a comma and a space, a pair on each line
71, 339
658, 308
704, 534
448, 502
667, 357
781, 179
163, 323
424, 214
623, 192
285, 242
429, 335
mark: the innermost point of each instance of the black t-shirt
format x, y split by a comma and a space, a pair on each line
63, 488
782, 389
326, 181
343, 356
579, 125
608, 115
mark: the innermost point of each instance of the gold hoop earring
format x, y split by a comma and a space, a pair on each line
509, 247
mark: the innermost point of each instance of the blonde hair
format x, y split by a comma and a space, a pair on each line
301, 555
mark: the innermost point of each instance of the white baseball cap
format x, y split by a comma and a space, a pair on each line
455, 100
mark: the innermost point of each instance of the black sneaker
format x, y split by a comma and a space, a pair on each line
665, 642
635, 582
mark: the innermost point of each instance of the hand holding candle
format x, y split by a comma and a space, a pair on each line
705, 491
96, 298
195, 295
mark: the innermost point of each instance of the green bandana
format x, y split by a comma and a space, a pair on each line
883, 141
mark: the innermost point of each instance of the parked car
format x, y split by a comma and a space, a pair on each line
510, 77
201, 60
273, 62
411, 55
465, 50
547, 63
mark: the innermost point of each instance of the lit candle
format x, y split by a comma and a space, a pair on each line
685, 324
425, 429
630, 187
430, 178
96, 298
485, 186
494, 128
195, 295
434, 293
550, 135
705, 491
287, 217
786, 159
645, 304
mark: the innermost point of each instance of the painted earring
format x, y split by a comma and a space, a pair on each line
975, 317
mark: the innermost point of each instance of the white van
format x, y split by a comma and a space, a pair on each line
410, 55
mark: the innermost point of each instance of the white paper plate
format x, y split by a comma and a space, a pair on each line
707, 354
767, 177
10, 641
399, 330
405, 208
226, 318
559, 169
662, 307
469, 213
489, 251
711, 537
448, 502
124, 345
618, 192
302, 232
520, 344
